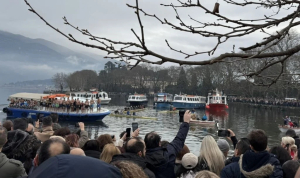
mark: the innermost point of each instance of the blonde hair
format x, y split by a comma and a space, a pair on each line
206, 174
129, 169
212, 155
289, 141
108, 152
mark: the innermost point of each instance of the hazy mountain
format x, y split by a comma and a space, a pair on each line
24, 59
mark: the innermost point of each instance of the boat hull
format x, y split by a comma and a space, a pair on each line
63, 116
203, 123
179, 105
284, 129
217, 107
162, 105
138, 103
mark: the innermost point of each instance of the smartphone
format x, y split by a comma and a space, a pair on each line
135, 126
223, 133
181, 114
128, 130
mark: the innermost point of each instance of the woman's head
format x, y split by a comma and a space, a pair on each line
281, 154
108, 152
103, 140
91, 145
183, 151
212, 155
72, 140
62, 132
130, 169
206, 174
289, 144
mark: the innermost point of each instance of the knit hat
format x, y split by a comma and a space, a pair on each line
223, 145
189, 161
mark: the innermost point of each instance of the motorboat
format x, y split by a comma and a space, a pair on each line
285, 128
19, 110
163, 100
137, 100
216, 101
95, 95
189, 102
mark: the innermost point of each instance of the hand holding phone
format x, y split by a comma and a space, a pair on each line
135, 126
223, 133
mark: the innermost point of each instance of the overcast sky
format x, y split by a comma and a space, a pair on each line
113, 19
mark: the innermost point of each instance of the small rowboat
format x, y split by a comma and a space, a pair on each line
285, 128
203, 123
134, 117
135, 110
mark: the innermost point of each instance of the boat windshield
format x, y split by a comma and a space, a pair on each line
133, 97
178, 98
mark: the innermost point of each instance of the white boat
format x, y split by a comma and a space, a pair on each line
82, 96
285, 128
137, 100
189, 102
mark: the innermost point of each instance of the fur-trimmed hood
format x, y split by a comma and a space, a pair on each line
262, 171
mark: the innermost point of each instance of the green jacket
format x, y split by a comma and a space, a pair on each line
11, 168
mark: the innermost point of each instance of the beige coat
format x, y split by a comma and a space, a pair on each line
46, 133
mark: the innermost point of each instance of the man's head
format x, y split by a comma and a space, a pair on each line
77, 151
3, 137
20, 123
136, 145
52, 147
290, 133
224, 146
47, 121
258, 140
241, 147
290, 168
152, 140
8, 124
54, 117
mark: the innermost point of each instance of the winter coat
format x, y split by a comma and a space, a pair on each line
46, 133
73, 166
231, 168
161, 161
10, 168
20, 145
254, 165
92, 153
297, 141
83, 138
132, 157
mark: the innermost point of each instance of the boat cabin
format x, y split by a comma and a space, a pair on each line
161, 97
190, 98
137, 98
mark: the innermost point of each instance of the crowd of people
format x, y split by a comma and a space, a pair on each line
264, 101
44, 149
62, 104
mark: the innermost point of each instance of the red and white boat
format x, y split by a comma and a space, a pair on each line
216, 101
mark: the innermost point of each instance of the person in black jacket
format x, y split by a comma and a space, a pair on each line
162, 160
135, 152
292, 133
257, 162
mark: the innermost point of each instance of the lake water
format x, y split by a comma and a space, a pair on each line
241, 118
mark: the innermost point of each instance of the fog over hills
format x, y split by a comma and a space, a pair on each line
24, 59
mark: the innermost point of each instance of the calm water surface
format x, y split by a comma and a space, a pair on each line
241, 118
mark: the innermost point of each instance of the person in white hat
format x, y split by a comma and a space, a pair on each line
188, 163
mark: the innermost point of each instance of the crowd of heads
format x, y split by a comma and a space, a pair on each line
36, 150
266, 101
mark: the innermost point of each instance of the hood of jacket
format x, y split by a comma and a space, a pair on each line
157, 157
3, 159
255, 165
130, 157
15, 138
